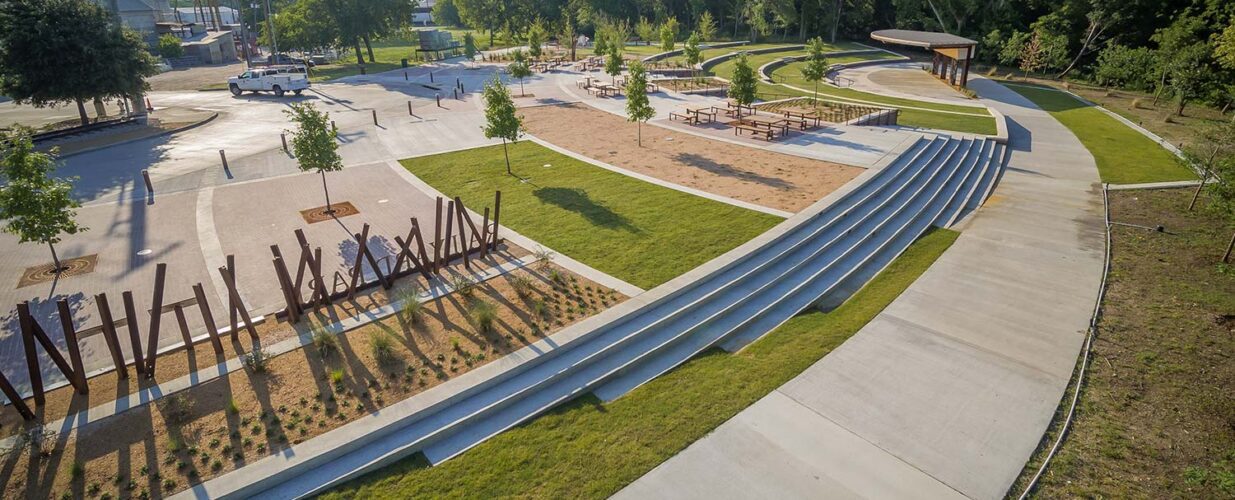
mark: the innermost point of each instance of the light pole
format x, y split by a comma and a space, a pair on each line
244, 34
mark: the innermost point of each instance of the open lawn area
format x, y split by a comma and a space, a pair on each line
1123, 155
1156, 417
587, 449
639, 232
389, 55
964, 123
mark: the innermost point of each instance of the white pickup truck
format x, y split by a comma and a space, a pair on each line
268, 80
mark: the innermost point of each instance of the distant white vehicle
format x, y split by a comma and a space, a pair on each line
268, 80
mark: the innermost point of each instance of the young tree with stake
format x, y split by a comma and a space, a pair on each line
536, 38
314, 144
638, 109
667, 37
743, 86
816, 64
519, 69
469, 46
613, 63
500, 118
691, 51
37, 206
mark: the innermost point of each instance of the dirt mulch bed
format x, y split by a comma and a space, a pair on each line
1157, 412
106, 387
745, 173
208, 430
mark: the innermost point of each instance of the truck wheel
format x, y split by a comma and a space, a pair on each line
278, 91
298, 92
235, 89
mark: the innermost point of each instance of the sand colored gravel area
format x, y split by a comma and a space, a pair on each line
210, 429
744, 173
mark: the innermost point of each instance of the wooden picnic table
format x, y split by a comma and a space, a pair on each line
605, 90
769, 122
585, 82
702, 111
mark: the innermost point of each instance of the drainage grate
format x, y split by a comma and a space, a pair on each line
318, 214
47, 272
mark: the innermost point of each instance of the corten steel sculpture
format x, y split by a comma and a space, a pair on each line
143, 359
412, 257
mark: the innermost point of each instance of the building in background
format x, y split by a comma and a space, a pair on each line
423, 13
140, 15
189, 15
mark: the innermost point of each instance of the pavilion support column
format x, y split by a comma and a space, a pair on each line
953, 78
965, 73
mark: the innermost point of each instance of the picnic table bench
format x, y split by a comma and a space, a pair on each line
803, 115
765, 133
699, 113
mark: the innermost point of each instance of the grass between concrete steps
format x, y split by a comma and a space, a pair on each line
636, 231
1123, 155
588, 449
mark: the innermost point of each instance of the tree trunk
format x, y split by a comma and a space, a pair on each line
81, 112
100, 110
55, 259
325, 189
639, 127
1089, 38
1226, 257
521, 92
1180, 111
356, 47
507, 154
836, 21
369, 47
802, 23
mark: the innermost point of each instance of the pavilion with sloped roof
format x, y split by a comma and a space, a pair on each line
952, 53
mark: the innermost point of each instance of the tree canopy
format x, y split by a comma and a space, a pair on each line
638, 108
36, 206
59, 51
501, 120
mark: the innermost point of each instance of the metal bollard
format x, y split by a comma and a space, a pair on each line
461, 88
430, 77
405, 76
223, 156
456, 91
283, 137
375, 117
334, 127
409, 109
146, 177
439, 99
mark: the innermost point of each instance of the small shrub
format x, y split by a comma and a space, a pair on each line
410, 306
176, 409
522, 284
1138, 104
324, 341
383, 348
454, 344
556, 276
543, 258
464, 285
336, 377
483, 314
77, 470
233, 407
257, 360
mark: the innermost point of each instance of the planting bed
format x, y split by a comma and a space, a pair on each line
220, 425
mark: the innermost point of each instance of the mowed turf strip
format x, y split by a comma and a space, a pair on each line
639, 232
1123, 155
590, 449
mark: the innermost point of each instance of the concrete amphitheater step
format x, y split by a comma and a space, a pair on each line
825, 256
716, 327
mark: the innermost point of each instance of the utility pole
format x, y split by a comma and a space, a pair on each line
274, 38
244, 33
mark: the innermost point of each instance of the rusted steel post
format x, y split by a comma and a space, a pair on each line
130, 323
109, 335
32, 356
156, 316
78, 376
19, 404
208, 318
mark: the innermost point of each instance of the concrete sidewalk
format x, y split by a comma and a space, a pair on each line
948, 391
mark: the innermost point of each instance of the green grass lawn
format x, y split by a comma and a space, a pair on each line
634, 230
1123, 155
388, 55
968, 124
586, 449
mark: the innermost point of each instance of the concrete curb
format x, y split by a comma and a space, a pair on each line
1153, 185
135, 139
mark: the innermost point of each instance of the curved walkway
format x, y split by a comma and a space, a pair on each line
949, 390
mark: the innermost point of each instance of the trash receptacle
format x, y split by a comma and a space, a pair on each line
405, 63
362, 70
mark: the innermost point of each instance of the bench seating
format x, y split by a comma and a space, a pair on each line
765, 133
